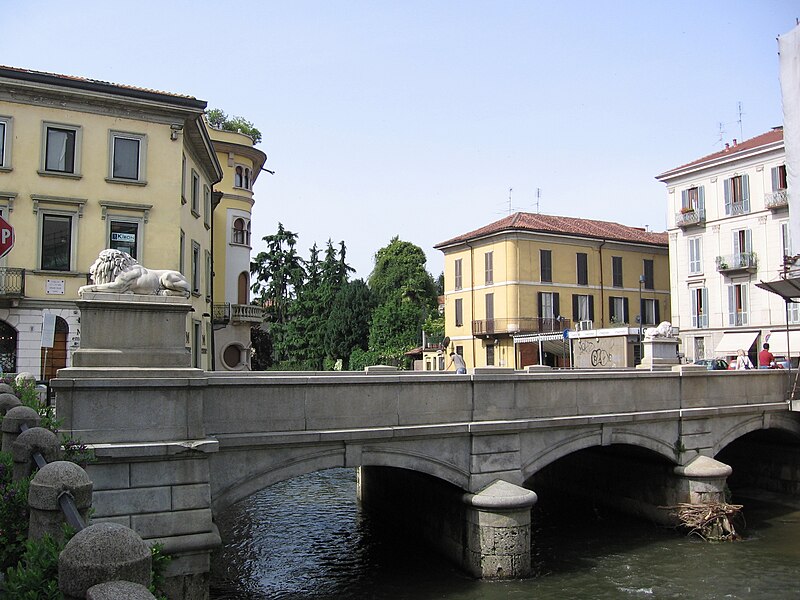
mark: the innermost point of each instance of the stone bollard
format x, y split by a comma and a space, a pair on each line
49, 483
15, 417
23, 377
7, 402
6, 389
99, 554
119, 590
36, 439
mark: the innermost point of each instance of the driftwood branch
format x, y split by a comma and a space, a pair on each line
712, 521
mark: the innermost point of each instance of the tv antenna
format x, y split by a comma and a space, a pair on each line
741, 131
510, 204
538, 197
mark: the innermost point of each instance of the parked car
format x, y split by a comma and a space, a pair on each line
713, 364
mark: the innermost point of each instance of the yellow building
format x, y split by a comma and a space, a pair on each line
87, 165
523, 280
233, 314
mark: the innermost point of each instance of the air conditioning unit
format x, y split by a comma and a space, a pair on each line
584, 325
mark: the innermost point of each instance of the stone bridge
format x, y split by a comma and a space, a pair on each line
176, 445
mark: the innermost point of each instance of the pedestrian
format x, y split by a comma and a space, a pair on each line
743, 361
461, 366
766, 359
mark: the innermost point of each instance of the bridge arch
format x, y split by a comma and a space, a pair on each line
782, 421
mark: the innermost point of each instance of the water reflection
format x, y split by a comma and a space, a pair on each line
307, 538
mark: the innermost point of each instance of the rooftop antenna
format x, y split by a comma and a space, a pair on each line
741, 133
510, 205
721, 139
538, 197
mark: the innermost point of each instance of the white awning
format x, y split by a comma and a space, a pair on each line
777, 343
733, 341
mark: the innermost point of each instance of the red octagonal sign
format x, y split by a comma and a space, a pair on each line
6, 237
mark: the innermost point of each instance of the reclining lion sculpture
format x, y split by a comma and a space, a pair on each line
117, 271
663, 330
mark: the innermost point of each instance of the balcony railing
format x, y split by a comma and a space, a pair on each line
12, 282
690, 218
511, 325
776, 200
743, 261
738, 208
225, 313
221, 315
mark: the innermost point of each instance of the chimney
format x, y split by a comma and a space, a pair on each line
727, 145
734, 142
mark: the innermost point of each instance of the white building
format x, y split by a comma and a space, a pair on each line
728, 229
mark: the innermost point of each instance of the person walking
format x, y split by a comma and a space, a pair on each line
743, 361
461, 366
766, 359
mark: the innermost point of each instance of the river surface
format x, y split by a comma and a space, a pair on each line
308, 538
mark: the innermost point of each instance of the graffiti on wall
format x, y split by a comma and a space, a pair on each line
595, 353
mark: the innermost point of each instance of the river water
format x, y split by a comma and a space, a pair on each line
308, 538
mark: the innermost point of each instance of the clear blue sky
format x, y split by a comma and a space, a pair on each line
414, 118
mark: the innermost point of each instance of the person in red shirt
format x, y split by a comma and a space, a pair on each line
765, 358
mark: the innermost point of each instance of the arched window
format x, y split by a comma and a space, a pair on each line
232, 356
239, 231
247, 235
8, 348
238, 177
247, 178
243, 288
55, 358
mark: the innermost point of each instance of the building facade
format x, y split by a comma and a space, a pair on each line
233, 314
513, 287
728, 230
87, 165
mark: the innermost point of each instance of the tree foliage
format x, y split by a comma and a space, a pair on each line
218, 119
347, 327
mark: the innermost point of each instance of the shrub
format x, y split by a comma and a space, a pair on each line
36, 575
13, 514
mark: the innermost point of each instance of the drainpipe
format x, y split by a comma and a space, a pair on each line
602, 287
472, 301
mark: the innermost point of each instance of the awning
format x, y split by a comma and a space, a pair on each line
777, 343
554, 343
787, 288
731, 342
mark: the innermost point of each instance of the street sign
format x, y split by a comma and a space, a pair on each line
6, 237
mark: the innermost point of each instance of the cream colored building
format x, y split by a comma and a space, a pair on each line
233, 314
86, 165
514, 286
728, 230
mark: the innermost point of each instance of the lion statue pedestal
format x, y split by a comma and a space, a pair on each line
660, 347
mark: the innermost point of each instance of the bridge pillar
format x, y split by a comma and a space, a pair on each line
498, 540
701, 480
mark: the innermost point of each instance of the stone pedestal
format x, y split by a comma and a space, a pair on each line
659, 353
132, 330
702, 480
498, 544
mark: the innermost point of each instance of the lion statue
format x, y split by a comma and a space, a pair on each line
663, 330
117, 271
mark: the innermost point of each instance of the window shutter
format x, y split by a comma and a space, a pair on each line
731, 305
685, 199
611, 314
591, 308
776, 181
642, 303
737, 248
746, 192
704, 307
701, 197
625, 310
657, 311
575, 316
728, 193
539, 300
556, 312
695, 311
748, 241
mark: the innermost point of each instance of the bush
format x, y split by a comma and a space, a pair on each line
36, 575
13, 514
359, 359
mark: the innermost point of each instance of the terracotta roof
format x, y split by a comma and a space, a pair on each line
85, 82
770, 137
587, 228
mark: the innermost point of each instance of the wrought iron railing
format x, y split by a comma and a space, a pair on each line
743, 261
12, 282
779, 199
221, 314
689, 218
515, 325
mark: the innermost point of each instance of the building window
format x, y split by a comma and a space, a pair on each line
786, 239
582, 307
794, 313
241, 177
195, 268
232, 356
737, 195
56, 249
490, 311
582, 268
649, 311
182, 254
649, 278
123, 235
196, 343
778, 178
195, 194
208, 274
459, 312
207, 206
742, 247
183, 179
737, 304
61, 149
699, 307
546, 265
616, 271
695, 255
243, 288
490, 355
488, 260
458, 283
127, 156
5, 142
693, 199
618, 309
8, 348
699, 348
241, 232
548, 308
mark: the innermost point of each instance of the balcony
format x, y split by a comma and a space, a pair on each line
743, 261
512, 326
776, 200
690, 218
12, 282
225, 313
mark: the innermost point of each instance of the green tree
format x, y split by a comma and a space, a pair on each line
219, 120
347, 328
